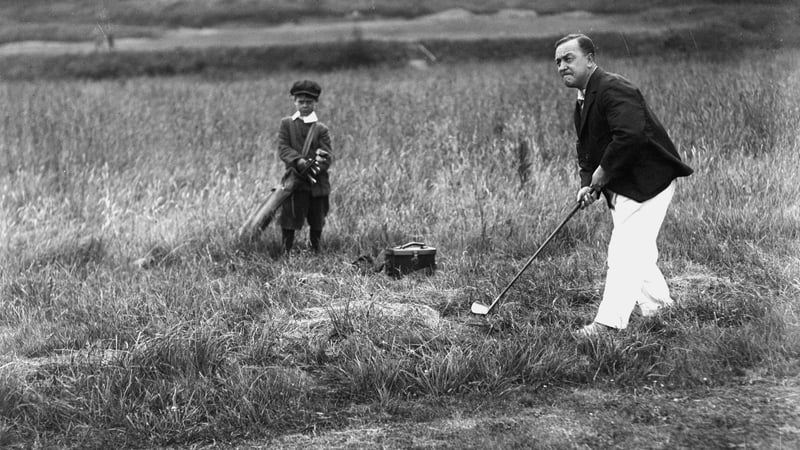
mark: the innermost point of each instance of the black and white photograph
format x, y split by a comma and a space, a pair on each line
399, 224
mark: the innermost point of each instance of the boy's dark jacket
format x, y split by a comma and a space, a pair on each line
617, 130
291, 137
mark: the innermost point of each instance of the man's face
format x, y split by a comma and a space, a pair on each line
574, 66
304, 104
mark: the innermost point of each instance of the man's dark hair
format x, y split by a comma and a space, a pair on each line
586, 45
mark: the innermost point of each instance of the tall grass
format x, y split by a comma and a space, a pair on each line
207, 341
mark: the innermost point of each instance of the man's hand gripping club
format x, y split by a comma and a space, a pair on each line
589, 194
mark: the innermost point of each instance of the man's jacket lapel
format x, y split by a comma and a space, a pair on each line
589, 95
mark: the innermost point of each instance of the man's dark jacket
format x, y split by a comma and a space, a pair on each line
617, 130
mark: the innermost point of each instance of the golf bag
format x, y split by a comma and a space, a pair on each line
262, 216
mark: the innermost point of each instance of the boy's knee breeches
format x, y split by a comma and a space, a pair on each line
302, 207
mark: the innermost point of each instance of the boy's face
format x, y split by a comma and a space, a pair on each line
305, 104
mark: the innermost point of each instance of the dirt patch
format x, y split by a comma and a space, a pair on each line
322, 321
517, 14
576, 15
449, 14
24, 367
761, 415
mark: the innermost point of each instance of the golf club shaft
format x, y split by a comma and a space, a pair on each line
541, 247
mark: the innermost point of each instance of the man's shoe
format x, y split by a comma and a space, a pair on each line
594, 329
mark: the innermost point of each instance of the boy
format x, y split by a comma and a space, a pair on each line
307, 162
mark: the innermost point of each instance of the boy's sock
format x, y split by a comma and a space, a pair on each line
315, 236
288, 239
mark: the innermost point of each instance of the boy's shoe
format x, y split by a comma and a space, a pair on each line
315, 236
594, 329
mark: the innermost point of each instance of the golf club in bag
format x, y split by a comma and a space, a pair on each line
481, 309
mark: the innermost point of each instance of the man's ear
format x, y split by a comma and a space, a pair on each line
590, 58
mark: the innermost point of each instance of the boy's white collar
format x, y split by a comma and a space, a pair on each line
311, 118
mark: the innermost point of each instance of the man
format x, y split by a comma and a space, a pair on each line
625, 154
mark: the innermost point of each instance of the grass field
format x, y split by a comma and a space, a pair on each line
131, 316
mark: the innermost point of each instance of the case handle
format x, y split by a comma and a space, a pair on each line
418, 244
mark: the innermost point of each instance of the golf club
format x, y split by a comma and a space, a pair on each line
481, 309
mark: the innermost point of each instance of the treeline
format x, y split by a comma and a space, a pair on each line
224, 61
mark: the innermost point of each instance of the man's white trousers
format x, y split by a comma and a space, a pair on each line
633, 276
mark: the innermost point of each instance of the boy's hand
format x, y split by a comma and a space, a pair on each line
322, 155
323, 158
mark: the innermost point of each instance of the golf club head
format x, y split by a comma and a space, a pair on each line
479, 309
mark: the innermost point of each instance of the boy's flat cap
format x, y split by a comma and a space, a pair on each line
306, 87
